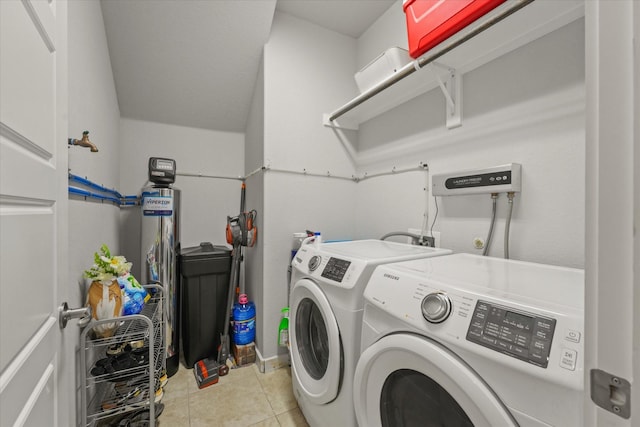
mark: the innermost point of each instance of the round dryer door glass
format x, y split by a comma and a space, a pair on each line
409, 380
410, 398
313, 340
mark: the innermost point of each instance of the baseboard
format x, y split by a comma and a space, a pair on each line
272, 363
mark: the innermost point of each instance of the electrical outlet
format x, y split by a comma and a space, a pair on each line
428, 241
436, 235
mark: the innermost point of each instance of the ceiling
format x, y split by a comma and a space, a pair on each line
348, 17
194, 63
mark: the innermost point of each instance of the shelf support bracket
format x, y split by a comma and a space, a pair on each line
452, 91
343, 124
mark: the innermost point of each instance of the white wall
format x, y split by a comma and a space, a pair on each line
93, 106
525, 107
254, 132
308, 70
388, 31
254, 159
205, 202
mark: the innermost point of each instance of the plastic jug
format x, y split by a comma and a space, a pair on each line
244, 321
283, 330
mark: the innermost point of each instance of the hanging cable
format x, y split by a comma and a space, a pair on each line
510, 196
494, 197
435, 199
415, 239
425, 219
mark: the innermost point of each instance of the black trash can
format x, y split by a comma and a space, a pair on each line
205, 271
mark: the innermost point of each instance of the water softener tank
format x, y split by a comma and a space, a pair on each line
160, 246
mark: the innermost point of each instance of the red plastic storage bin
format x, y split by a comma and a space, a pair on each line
429, 22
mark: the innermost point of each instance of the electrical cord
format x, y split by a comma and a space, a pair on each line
425, 219
415, 239
494, 197
435, 199
510, 196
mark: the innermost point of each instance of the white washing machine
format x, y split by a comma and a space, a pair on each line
466, 340
326, 319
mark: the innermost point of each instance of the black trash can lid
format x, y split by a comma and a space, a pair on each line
205, 250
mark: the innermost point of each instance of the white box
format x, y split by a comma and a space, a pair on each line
387, 63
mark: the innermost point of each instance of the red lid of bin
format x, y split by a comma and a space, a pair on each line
430, 22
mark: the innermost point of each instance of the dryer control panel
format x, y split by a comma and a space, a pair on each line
522, 335
336, 269
331, 270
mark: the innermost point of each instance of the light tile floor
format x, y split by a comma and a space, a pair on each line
245, 397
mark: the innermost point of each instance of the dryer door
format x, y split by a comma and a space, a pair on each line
316, 351
409, 380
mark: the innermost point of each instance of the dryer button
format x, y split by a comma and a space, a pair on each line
568, 359
571, 335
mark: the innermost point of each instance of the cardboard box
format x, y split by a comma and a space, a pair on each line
244, 354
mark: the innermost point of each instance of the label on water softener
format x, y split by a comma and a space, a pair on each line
157, 206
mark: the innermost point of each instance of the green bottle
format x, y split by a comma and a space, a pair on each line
283, 330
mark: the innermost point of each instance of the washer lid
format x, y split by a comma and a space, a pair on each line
376, 251
316, 350
545, 286
442, 373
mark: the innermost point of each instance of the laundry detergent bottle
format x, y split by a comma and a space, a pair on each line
244, 321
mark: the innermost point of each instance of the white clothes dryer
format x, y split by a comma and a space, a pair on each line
326, 319
466, 340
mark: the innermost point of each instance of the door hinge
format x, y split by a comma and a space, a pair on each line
611, 393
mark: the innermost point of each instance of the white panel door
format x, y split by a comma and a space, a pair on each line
36, 364
612, 310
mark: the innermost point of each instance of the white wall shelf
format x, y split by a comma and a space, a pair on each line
531, 22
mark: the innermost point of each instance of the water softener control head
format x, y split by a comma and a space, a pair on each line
162, 171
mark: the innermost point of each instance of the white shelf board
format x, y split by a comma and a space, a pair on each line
533, 21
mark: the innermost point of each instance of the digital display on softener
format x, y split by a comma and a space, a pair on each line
161, 170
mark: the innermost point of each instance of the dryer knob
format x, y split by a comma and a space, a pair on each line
436, 307
314, 262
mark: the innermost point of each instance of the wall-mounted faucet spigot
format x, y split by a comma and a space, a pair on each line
84, 142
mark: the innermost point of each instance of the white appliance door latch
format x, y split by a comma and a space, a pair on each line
611, 393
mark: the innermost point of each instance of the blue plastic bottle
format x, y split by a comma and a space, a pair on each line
244, 321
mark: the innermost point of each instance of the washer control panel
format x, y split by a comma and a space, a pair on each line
336, 269
518, 334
